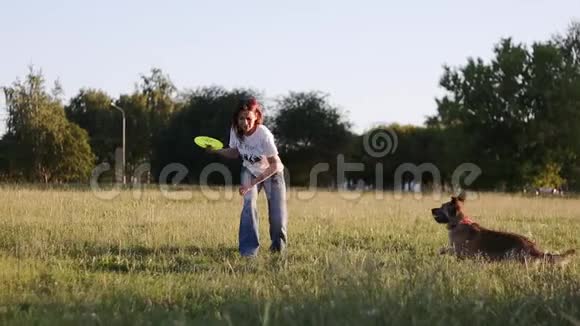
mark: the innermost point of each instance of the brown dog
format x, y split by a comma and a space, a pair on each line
469, 239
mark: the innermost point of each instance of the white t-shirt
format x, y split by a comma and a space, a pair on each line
255, 149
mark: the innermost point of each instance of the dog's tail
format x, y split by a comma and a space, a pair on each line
559, 259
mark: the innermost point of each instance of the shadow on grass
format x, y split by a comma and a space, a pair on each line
140, 251
162, 259
340, 306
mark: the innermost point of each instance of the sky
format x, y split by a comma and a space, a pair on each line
378, 61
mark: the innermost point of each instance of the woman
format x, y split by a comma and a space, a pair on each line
261, 168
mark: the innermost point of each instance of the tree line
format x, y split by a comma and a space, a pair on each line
515, 116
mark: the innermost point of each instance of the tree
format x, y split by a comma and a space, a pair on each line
43, 144
159, 93
309, 131
7, 145
205, 111
138, 130
520, 112
91, 110
148, 111
570, 44
548, 176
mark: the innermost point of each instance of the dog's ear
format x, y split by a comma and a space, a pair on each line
453, 199
462, 196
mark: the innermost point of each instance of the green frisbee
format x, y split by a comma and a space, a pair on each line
205, 142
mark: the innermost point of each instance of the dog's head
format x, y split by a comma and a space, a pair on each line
450, 213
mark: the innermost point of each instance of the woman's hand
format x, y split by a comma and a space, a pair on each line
274, 162
209, 149
244, 189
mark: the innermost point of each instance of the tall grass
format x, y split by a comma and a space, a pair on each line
67, 257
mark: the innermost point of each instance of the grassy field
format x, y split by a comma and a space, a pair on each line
67, 257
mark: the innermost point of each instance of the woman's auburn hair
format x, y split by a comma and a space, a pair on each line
248, 104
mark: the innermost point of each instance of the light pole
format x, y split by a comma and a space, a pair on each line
123, 157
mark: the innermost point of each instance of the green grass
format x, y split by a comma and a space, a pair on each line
67, 257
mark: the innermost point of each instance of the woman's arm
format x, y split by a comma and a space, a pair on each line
274, 164
231, 153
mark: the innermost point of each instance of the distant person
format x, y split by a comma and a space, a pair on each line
261, 168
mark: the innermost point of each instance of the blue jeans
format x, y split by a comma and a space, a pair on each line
275, 188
